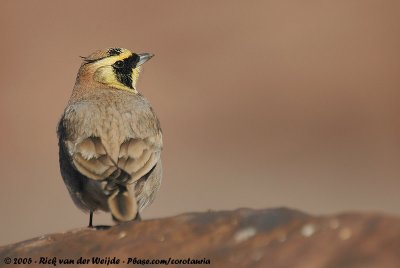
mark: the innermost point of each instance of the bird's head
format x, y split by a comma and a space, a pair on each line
115, 67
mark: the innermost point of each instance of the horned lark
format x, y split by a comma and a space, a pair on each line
110, 139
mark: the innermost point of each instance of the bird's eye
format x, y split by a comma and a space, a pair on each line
119, 64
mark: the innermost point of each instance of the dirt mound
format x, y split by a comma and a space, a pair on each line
241, 238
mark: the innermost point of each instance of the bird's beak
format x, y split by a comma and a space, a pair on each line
143, 57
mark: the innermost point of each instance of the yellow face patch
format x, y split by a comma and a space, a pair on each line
107, 71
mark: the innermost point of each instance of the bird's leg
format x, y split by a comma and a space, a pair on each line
138, 218
91, 219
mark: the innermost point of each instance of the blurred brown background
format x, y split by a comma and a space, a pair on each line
263, 103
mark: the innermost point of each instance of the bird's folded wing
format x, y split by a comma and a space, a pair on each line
91, 159
136, 157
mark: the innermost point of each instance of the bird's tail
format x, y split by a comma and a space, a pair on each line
123, 205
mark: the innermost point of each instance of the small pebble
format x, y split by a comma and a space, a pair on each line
245, 234
308, 230
121, 235
345, 233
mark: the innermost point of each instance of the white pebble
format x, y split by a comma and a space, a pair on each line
245, 234
121, 235
308, 230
